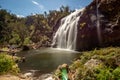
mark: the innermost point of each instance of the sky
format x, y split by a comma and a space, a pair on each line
27, 7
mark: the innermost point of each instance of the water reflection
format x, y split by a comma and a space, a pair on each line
46, 59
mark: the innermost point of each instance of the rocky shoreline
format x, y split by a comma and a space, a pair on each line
26, 76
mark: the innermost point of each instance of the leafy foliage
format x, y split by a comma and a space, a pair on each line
7, 64
31, 29
116, 73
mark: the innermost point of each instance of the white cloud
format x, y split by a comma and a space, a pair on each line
34, 2
20, 16
39, 5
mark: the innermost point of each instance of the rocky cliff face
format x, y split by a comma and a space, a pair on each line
109, 19
104, 14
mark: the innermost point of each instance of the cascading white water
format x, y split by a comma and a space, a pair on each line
98, 23
66, 35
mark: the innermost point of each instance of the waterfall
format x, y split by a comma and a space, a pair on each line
66, 35
98, 23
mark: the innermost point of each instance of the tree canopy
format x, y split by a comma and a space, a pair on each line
36, 28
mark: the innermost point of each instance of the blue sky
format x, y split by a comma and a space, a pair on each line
26, 7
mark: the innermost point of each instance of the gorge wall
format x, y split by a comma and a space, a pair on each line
109, 18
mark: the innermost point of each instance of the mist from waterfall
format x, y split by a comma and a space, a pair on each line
66, 35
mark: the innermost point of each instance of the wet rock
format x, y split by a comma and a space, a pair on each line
28, 74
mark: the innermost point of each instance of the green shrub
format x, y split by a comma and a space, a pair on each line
116, 73
27, 41
15, 38
6, 64
109, 69
104, 74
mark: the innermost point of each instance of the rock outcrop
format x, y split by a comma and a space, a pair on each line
104, 14
108, 16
